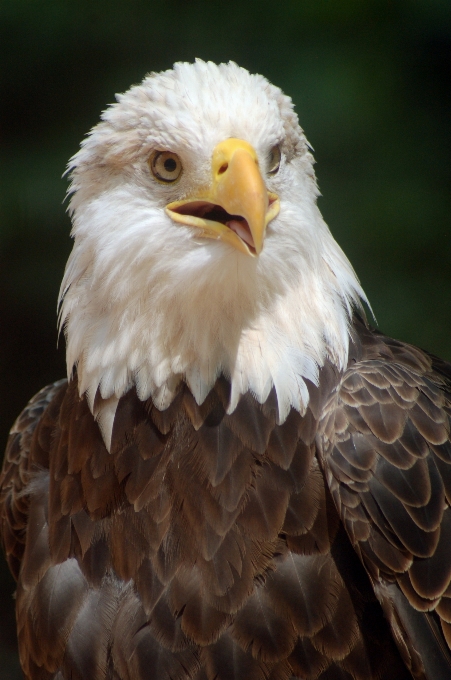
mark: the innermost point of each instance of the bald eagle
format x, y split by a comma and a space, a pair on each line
240, 479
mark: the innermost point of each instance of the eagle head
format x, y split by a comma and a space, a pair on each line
199, 249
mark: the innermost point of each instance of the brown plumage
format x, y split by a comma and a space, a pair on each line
214, 539
386, 454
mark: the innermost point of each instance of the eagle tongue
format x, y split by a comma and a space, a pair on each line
241, 229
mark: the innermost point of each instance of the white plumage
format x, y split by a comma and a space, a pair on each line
133, 299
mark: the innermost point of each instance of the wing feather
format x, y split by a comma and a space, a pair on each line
18, 468
386, 452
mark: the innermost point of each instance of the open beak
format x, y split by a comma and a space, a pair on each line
237, 207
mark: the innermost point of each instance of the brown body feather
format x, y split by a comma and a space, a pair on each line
215, 546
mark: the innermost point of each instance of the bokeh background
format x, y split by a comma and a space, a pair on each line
371, 81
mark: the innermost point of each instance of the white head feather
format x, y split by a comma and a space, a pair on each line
148, 302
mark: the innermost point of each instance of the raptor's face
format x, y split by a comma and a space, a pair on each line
236, 206
211, 154
199, 248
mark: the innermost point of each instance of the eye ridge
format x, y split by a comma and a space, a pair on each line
165, 166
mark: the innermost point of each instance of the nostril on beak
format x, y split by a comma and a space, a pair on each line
223, 168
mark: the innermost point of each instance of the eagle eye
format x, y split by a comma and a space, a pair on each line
166, 166
274, 160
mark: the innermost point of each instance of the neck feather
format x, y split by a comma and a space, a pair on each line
152, 319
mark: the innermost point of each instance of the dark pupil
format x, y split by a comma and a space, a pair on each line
170, 165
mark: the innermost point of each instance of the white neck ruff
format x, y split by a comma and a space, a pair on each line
150, 312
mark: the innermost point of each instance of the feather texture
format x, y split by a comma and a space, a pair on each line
204, 545
387, 467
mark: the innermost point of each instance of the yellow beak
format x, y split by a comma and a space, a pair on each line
237, 207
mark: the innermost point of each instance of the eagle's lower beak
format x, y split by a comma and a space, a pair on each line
237, 207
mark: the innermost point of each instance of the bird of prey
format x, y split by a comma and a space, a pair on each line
240, 479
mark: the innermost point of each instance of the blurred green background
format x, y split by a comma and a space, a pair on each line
371, 81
